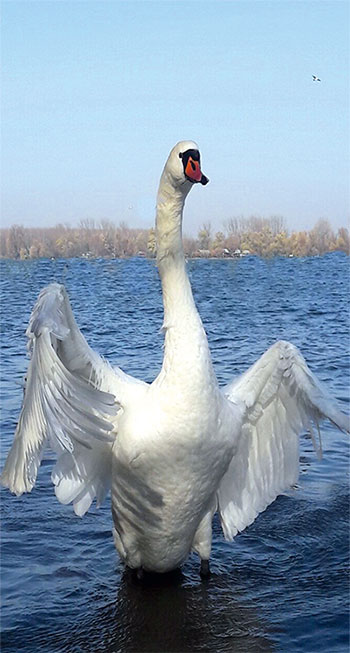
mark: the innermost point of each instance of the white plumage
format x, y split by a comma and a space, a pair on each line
173, 451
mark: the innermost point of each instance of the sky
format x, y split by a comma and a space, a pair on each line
96, 93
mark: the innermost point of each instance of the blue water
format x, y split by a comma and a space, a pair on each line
282, 585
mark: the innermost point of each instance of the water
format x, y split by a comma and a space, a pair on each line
282, 585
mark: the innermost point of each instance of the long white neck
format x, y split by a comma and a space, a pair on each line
177, 293
184, 333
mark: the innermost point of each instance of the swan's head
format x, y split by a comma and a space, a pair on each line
183, 166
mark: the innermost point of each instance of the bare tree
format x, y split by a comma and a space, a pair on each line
321, 236
16, 245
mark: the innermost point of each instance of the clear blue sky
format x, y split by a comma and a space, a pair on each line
96, 93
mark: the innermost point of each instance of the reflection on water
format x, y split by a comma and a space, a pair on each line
172, 614
167, 613
282, 585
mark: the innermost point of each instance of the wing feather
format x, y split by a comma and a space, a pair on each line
282, 398
69, 402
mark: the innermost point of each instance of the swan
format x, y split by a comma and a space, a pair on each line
175, 451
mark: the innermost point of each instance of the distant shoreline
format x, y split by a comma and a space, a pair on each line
263, 237
152, 258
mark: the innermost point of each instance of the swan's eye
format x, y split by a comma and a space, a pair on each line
180, 155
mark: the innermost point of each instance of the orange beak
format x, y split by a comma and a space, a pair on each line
193, 170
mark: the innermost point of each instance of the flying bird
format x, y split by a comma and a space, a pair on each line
315, 79
175, 451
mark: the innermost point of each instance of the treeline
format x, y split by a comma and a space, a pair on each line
266, 237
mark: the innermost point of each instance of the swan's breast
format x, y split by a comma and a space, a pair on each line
166, 467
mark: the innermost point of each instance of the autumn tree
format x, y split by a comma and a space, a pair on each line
219, 240
258, 242
299, 243
204, 236
280, 245
342, 242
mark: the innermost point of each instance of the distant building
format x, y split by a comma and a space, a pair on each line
238, 253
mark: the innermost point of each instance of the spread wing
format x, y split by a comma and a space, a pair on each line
70, 403
282, 398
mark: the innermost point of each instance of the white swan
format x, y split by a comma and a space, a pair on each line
173, 451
